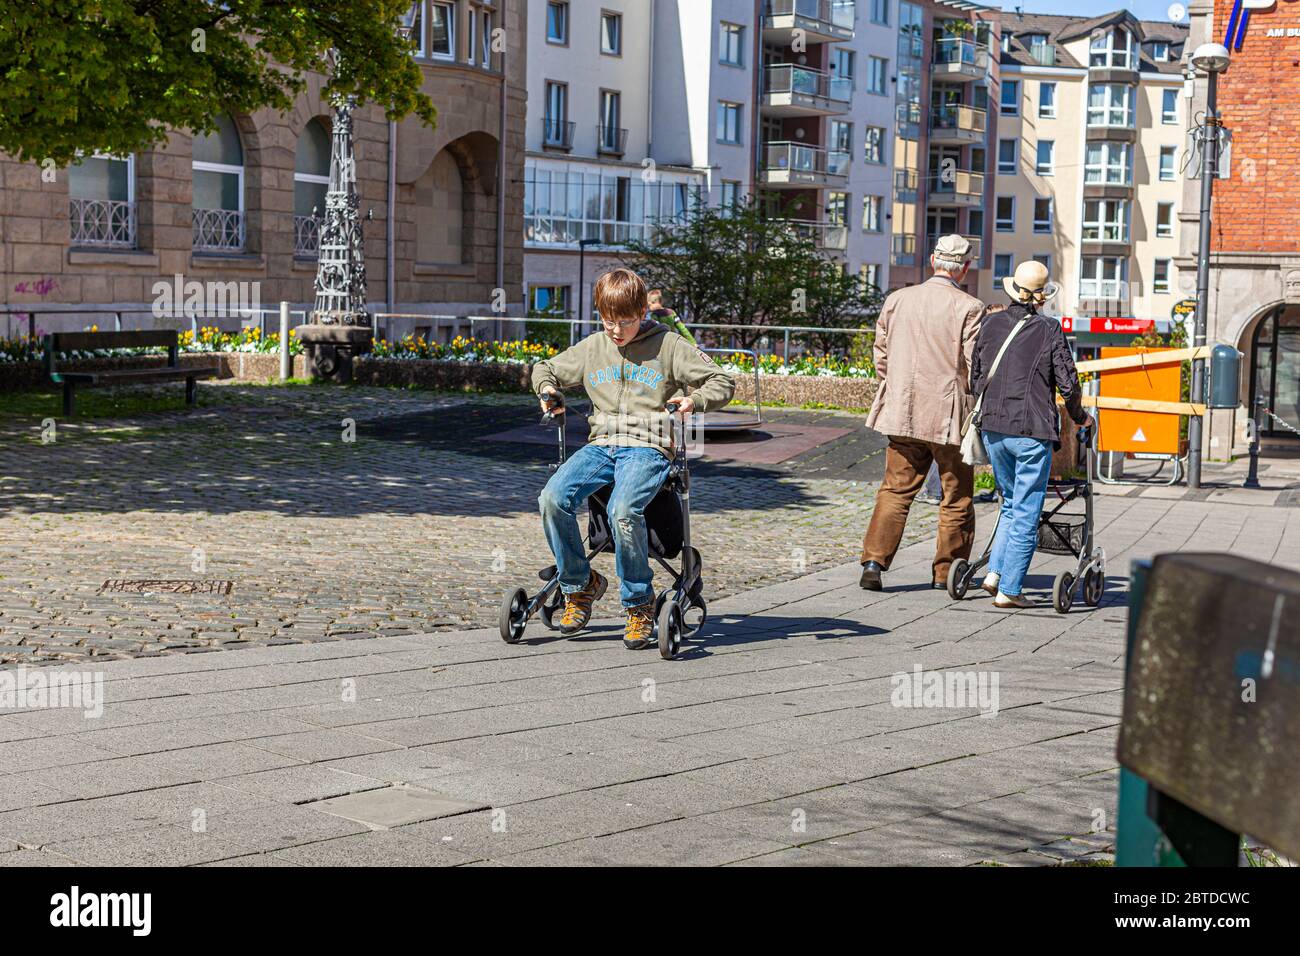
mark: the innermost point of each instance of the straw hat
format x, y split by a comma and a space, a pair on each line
1031, 285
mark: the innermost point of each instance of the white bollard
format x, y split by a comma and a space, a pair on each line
286, 364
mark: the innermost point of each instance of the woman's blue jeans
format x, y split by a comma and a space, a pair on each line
638, 474
1021, 467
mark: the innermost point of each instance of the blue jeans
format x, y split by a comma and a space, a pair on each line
1021, 467
637, 474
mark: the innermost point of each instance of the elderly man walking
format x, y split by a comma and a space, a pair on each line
924, 339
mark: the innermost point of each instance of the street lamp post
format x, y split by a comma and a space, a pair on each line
1210, 59
582, 281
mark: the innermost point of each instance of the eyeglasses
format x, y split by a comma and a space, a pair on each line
610, 324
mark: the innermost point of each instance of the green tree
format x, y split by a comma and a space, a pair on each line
113, 76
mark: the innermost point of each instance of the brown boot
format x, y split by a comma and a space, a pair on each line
640, 628
577, 606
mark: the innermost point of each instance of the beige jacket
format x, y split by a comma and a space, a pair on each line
924, 340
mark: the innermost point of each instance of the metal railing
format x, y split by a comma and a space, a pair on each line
228, 320
796, 157
957, 182
612, 140
306, 237
103, 223
903, 250
826, 234
218, 230
952, 116
840, 13
906, 180
791, 78
557, 133
959, 50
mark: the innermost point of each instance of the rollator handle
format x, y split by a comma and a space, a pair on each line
554, 407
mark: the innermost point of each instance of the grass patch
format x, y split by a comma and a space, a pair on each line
91, 403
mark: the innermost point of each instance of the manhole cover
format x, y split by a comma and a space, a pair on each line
149, 586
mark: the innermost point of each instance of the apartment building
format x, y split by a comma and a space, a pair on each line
238, 205
1091, 139
945, 117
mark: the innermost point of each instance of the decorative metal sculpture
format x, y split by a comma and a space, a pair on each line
341, 268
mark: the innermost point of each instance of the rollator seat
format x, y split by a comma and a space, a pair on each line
663, 521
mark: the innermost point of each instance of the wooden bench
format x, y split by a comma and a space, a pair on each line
89, 341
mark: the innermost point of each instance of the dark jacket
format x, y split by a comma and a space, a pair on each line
1021, 397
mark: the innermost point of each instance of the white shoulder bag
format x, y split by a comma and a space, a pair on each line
972, 445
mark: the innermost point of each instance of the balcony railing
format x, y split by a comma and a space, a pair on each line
791, 79
218, 230
903, 250
796, 158
955, 50
612, 140
958, 183
840, 14
827, 234
306, 237
105, 223
905, 181
557, 133
958, 118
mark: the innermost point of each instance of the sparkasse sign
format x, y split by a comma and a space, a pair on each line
1240, 20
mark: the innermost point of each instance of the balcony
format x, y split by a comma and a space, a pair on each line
306, 237
976, 247
790, 90
959, 59
218, 230
611, 140
829, 235
905, 185
822, 21
907, 120
903, 250
956, 187
796, 166
102, 223
557, 134
957, 124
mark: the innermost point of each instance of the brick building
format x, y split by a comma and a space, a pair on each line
237, 206
1255, 264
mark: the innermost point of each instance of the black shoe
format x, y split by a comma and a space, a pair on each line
939, 585
870, 580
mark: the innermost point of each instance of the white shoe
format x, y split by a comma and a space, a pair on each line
1012, 601
991, 582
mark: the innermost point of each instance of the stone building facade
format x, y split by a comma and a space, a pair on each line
237, 207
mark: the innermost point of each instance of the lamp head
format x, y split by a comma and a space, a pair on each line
1210, 58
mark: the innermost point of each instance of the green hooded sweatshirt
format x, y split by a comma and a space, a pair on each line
629, 385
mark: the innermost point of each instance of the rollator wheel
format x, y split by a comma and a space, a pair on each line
1063, 592
1094, 586
670, 630
958, 582
514, 616
554, 604
689, 630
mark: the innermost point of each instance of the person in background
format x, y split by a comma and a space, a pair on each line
1019, 420
666, 316
924, 338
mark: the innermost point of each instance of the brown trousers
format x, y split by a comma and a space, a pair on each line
907, 461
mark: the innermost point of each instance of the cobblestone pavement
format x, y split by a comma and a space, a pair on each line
775, 739
419, 524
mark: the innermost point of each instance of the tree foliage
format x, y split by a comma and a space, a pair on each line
112, 76
739, 265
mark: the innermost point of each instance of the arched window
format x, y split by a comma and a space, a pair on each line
219, 189
439, 201
311, 176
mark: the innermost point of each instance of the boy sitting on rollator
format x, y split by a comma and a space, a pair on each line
630, 371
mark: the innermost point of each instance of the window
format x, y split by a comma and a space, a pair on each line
1112, 49
1040, 49
611, 133
1160, 51
1105, 220
877, 75
1046, 165
837, 208
1005, 220
1046, 259
414, 18
1108, 163
880, 12
1043, 215
871, 213
218, 205
1167, 154
729, 123
1011, 97
1169, 112
1047, 100
488, 16
549, 299
874, 144
101, 201
730, 195
843, 65
731, 44
1103, 277
611, 33
556, 130
442, 30
841, 136
1006, 42
975, 222
561, 207
311, 177
470, 20
1110, 104
1165, 220
1007, 156
1001, 266
557, 21
1160, 278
